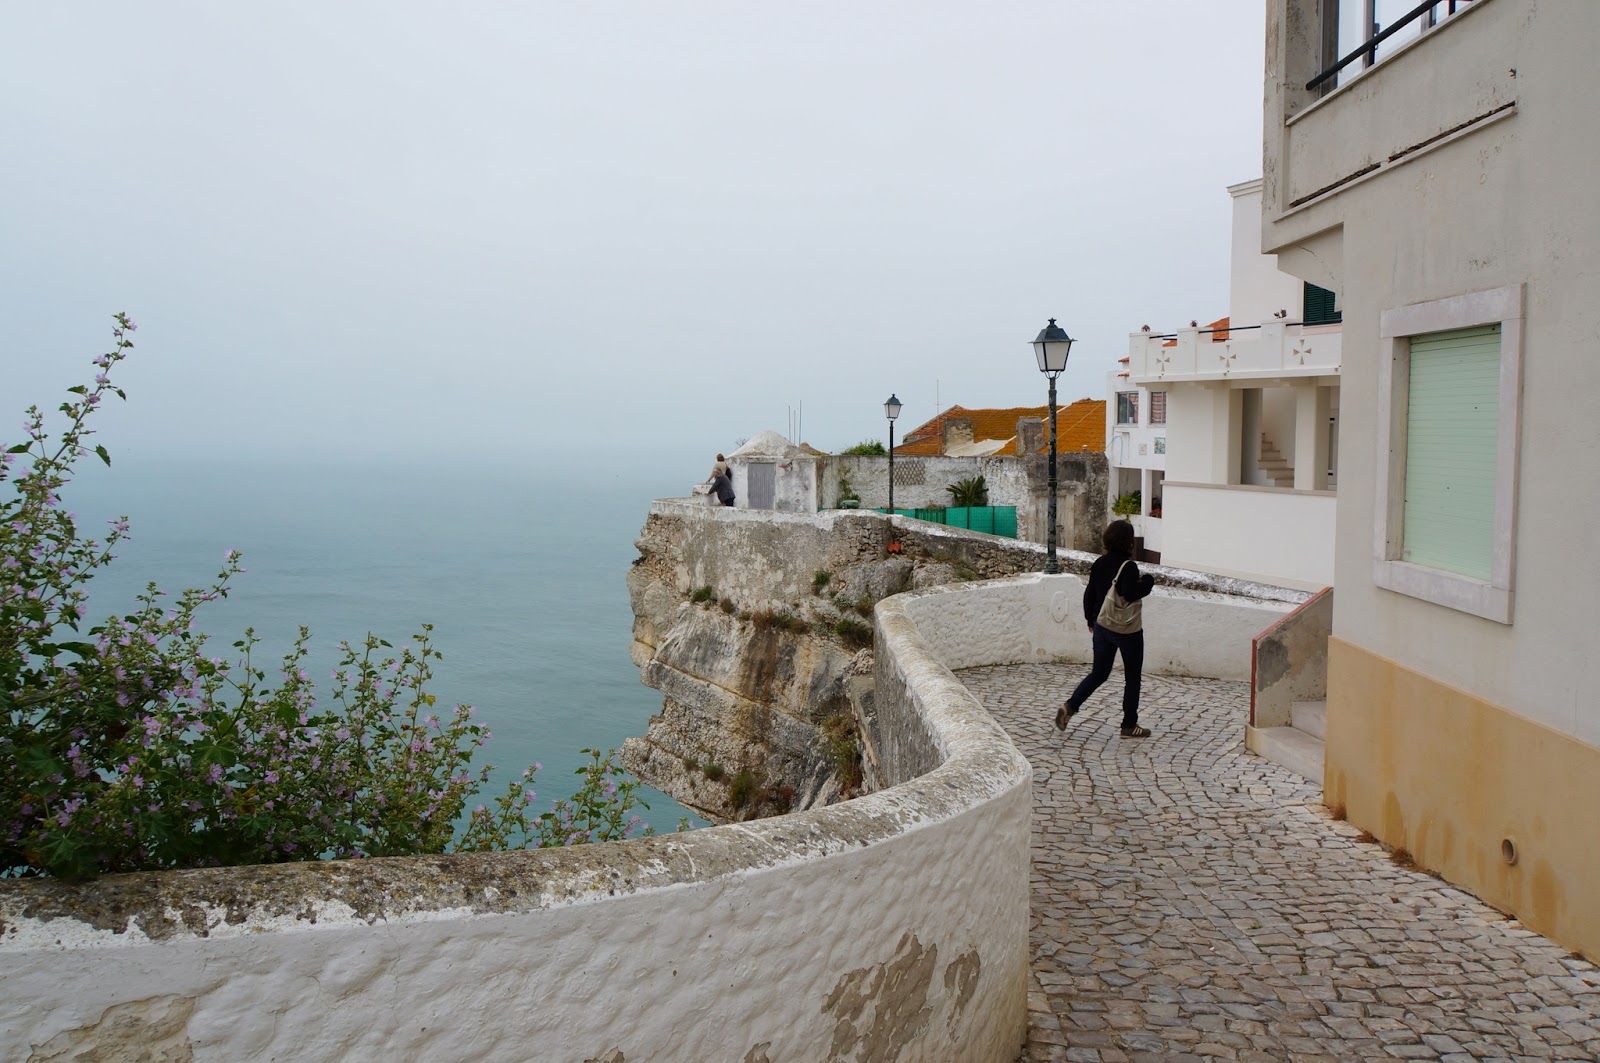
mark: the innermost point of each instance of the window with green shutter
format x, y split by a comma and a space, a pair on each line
1452, 423
1449, 434
1321, 306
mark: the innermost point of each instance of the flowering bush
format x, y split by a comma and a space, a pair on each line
131, 747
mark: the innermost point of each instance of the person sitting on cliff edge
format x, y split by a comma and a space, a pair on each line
722, 487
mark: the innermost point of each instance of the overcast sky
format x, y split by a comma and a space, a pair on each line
538, 229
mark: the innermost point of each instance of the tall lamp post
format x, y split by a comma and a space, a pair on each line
891, 410
1051, 348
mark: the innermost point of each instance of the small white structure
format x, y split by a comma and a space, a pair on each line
769, 472
1230, 431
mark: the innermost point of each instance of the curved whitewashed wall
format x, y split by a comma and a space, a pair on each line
1038, 618
892, 927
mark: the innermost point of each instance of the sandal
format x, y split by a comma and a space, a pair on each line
1063, 714
1136, 732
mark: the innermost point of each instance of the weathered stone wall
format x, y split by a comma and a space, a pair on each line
1292, 662
1081, 501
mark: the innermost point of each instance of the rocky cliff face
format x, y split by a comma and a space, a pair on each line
757, 630
756, 627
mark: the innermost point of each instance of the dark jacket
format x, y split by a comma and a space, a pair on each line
723, 488
1132, 586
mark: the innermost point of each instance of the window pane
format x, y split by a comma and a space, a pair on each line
1452, 436
1158, 407
1127, 407
1389, 12
1352, 31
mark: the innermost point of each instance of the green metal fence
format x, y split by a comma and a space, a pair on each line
994, 520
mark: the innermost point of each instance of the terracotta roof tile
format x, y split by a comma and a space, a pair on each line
1079, 426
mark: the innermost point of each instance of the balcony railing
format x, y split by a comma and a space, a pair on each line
1269, 350
1427, 13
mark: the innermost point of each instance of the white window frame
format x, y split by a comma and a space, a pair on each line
1133, 403
1152, 414
1491, 600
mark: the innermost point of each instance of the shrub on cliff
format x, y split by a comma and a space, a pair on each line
129, 747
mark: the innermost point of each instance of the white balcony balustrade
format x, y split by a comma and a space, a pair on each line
1271, 350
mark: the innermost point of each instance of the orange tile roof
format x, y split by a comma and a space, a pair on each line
1080, 426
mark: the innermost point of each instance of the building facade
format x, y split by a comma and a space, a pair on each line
1229, 432
1442, 182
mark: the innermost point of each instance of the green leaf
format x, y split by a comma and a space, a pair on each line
20, 448
103, 455
79, 390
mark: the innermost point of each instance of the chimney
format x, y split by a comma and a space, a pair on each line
957, 432
1030, 436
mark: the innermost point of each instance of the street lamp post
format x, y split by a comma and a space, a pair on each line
1051, 348
891, 410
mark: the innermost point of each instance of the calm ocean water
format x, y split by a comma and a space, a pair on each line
521, 573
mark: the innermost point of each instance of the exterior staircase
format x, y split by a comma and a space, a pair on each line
1273, 465
1299, 745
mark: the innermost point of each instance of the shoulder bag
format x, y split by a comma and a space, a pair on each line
1117, 613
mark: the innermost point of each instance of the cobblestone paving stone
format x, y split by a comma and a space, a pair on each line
1193, 902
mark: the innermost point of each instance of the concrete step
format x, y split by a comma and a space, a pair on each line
1310, 717
1288, 747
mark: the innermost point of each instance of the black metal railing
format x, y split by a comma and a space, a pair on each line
1369, 47
1203, 331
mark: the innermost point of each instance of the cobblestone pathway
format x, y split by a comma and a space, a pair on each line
1192, 902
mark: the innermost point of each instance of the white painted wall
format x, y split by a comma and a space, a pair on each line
1133, 446
1278, 419
1141, 449
1257, 288
1510, 202
1273, 535
1203, 442
1039, 618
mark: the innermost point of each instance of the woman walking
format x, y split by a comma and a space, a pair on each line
1112, 606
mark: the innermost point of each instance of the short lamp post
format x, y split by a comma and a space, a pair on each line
1052, 347
891, 410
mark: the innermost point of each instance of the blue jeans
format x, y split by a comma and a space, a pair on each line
1107, 644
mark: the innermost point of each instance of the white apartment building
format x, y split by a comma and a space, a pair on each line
1230, 431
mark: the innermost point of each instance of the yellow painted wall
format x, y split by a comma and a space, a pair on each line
1431, 769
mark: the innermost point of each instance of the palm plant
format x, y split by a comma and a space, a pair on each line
972, 491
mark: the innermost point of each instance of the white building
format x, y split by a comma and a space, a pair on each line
1443, 183
1136, 450
1230, 431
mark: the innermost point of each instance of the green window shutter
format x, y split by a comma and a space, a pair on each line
1321, 307
1452, 429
